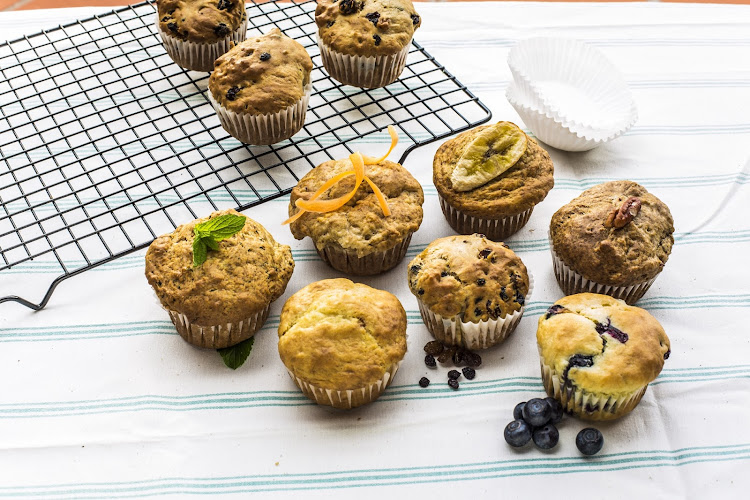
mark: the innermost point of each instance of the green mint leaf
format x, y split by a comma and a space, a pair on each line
209, 233
210, 243
199, 252
236, 355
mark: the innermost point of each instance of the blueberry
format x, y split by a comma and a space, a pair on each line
517, 433
546, 437
557, 410
589, 441
518, 411
537, 412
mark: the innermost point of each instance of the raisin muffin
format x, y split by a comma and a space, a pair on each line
471, 290
196, 32
260, 88
503, 204
359, 238
599, 354
614, 239
342, 342
365, 43
226, 299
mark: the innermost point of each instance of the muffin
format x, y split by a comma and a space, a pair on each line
196, 32
358, 238
599, 354
502, 204
471, 290
260, 88
365, 43
614, 239
342, 342
225, 299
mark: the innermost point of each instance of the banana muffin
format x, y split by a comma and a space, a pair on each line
614, 239
225, 299
490, 178
196, 32
365, 43
260, 88
342, 342
599, 354
471, 290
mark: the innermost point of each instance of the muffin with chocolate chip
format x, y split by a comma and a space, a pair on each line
260, 88
471, 290
364, 43
615, 238
196, 32
599, 354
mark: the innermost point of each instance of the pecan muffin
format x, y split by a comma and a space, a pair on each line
365, 43
501, 206
471, 290
614, 239
342, 342
196, 32
260, 88
226, 299
599, 354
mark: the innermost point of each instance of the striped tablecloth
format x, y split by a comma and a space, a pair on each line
99, 397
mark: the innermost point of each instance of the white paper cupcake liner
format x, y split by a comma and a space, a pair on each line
364, 72
346, 399
264, 129
368, 265
494, 229
218, 336
472, 336
199, 56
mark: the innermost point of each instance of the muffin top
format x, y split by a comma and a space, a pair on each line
247, 272
366, 27
516, 190
360, 225
200, 21
263, 74
601, 344
341, 335
596, 248
469, 276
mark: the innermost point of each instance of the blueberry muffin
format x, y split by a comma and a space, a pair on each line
196, 32
260, 88
614, 239
513, 174
471, 290
226, 299
365, 43
342, 342
599, 354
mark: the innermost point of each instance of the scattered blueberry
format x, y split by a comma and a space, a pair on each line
453, 383
454, 374
265, 56
557, 410
616, 334
518, 411
555, 309
589, 441
536, 412
429, 360
546, 437
424, 382
469, 372
517, 433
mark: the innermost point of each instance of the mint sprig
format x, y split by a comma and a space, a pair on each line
235, 355
208, 234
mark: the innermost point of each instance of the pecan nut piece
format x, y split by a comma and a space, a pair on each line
620, 217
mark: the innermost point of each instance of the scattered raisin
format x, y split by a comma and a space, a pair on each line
472, 359
330, 23
481, 282
415, 268
454, 374
350, 6
420, 291
429, 360
444, 274
172, 27
477, 312
458, 357
469, 372
447, 354
414, 19
434, 347
373, 17
376, 37
666, 354
166, 18
453, 384
503, 295
506, 245
520, 298
424, 382
222, 30
232, 93
484, 253
224, 5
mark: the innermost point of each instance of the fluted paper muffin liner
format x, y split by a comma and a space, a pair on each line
472, 336
572, 282
264, 129
587, 405
346, 399
199, 56
221, 335
348, 262
360, 71
494, 229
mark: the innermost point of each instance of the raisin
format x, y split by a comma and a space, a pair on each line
484, 253
434, 347
330, 23
232, 93
350, 6
454, 374
503, 295
224, 5
506, 245
424, 382
498, 312
444, 274
420, 291
265, 56
469, 372
414, 19
429, 360
172, 27
222, 30
447, 354
373, 17
458, 357
612, 331
555, 309
478, 300
166, 18
666, 354
481, 282
377, 39
477, 312
453, 384
415, 268
472, 359
520, 298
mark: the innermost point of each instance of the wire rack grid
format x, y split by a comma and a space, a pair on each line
105, 143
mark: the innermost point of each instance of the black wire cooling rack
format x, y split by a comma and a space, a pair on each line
105, 143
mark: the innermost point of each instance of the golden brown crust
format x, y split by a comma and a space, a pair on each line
248, 272
469, 276
366, 27
360, 225
516, 190
340, 335
263, 74
614, 256
617, 368
200, 21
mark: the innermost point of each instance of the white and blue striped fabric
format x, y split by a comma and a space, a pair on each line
100, 398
